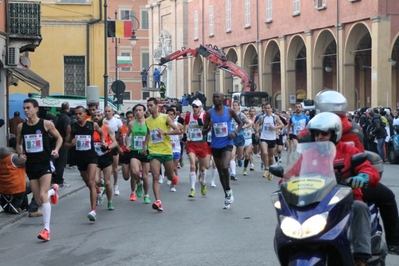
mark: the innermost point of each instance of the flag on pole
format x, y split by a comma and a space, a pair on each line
120, 28
124, 61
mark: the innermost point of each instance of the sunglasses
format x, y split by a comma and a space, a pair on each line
316, 133
194, 106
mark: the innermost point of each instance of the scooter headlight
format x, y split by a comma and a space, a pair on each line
276, 201
312, 226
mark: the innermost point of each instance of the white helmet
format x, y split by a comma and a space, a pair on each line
331, 101
326, 122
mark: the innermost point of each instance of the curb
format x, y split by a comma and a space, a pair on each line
25, 214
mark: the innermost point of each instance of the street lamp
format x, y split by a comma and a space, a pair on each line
133, 41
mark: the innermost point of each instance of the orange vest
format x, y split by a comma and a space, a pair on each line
12, 178
122, 137
97, 137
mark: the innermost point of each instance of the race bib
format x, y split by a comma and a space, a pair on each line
156, 137
266, 127
138, 142
33, 143
220, 129
234, 125
195, 134
83, 142
248, 133
209, 137
175, 143
97, 148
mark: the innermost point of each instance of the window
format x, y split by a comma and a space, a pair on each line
297, 5
145, 95
247, 14
125, 61
144, 20
211, 22
320, 4
74, 75
228, 15
269, 17
145, 60
126, 95
129, 15
196, 25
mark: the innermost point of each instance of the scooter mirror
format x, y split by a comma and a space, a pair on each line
277, 170
358, 159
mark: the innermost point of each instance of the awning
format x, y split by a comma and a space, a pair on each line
31, 78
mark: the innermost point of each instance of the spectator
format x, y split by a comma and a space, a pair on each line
144, 77
157, 77
376, 130
14, 122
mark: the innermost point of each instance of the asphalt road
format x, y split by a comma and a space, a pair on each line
189, 231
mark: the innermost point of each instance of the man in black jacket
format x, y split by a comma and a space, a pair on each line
377, 129
63, 121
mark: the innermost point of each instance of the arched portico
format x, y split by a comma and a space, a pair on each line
197, 76
228, 84
393, 60
272, 71
296, 78
250, 64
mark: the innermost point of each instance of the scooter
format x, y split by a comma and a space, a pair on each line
313, 208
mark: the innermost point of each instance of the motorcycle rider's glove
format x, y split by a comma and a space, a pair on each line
358, 181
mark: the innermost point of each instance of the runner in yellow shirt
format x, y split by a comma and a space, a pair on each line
159, 147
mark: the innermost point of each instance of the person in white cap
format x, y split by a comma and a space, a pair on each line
197, 146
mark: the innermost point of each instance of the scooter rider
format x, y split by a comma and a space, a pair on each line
382, 196
328, 127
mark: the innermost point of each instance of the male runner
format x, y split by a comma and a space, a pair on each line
297, 123
159, 147
248, 143
104, 152
136, 133
33, 145
80, 136
267, 125
116, 126
175, 141
196, 146
218, 119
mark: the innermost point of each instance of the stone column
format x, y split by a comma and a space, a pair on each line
261, 86
283, 66
310, 82
381, 73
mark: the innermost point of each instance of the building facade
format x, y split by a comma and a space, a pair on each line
293, 49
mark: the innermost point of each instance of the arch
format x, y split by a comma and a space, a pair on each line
271, 68
228, 84
277, 100
394, 61
212, 81
197, 75
250, 63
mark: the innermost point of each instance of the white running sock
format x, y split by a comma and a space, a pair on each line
214, 171
50, 193
46, 209
203, 177
193, 178
232, 167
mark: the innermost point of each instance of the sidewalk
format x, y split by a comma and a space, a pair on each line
72, 177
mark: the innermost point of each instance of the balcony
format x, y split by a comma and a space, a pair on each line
24, 25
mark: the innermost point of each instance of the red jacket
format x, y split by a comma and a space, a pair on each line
317, 164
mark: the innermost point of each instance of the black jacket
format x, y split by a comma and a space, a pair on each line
377, 127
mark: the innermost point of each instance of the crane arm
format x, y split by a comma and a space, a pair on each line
213, 54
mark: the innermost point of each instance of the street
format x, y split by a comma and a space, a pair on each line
188, 232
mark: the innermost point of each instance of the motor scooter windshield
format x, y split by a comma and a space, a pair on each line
311, 173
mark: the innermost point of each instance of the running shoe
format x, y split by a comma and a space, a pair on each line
139, 190
116, 190
192, 193
44, 235
233, 177
100, 196
265, 174
110, 206
160, 179
213, 185
239, 163
244, 172
175, 180
92, 216
157, 206
203, 189
172, 189
226, 205
178, 166
168, 182
252, 168
393, 250
54, 198
133, 197
147, 200
269, 176
229, 198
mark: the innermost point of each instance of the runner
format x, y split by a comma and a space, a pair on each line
280, 138
196, 146
80, 136
159, 148
211, 161
255, 141
139, 163
218, 119
267, 125
239, 140
33, 145
105, 158
175, 141
116, 126
297, 123
248, 144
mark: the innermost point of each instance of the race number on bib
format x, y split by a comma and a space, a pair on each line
220, 129
195, 134
33, 143
156, 137
83, 142
248, 133
138, 142
97, 148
